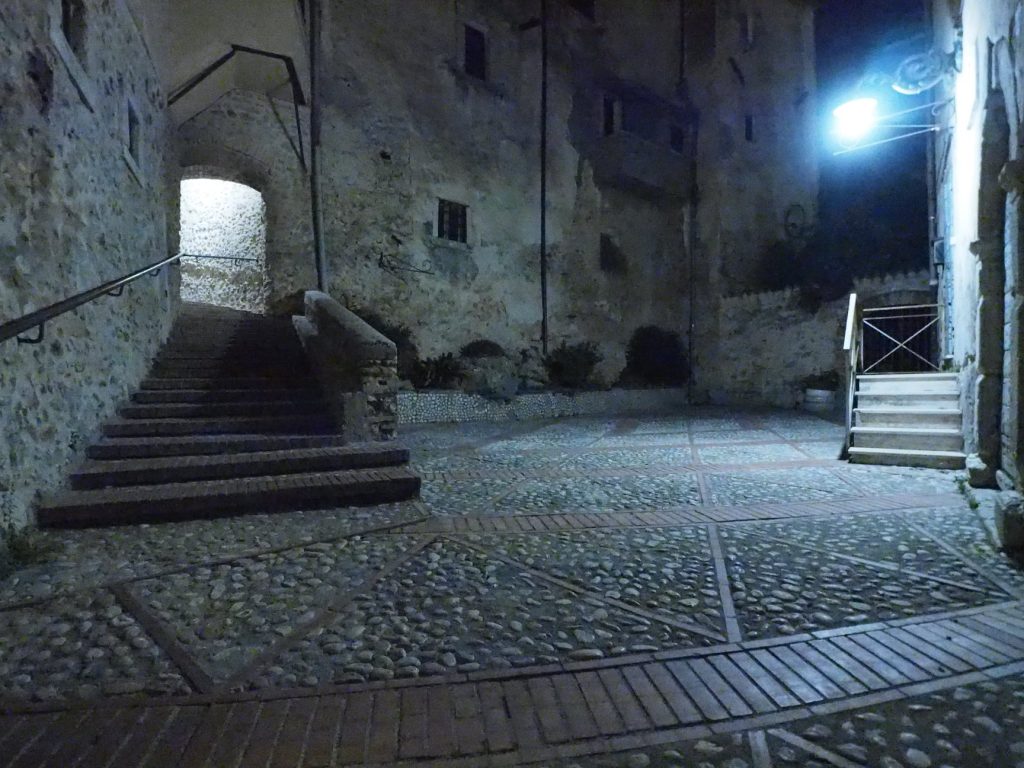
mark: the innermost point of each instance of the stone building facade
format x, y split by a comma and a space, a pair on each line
84, 198
980, 182
679, 134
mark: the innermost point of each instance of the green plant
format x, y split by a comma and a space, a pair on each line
482, 348
408, 354
824, 380
441, 372
655, 356
572, 365
25, 546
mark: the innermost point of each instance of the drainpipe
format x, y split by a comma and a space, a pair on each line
314, 144
544, 175
691, 247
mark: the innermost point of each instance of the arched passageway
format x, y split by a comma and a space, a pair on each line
224, 231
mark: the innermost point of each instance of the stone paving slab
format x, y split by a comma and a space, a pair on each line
633, 566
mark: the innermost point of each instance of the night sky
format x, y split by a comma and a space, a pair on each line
874, 202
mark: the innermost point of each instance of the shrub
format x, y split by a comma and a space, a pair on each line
655, 356
408, 354
482, 348
22, 547
441, 372
572, 366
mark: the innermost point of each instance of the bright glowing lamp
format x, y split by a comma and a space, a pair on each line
855, 119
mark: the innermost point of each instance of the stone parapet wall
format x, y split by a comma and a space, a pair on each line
357, 368
77, 209
768, 343
425, 407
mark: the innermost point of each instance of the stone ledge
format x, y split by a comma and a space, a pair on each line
428, 407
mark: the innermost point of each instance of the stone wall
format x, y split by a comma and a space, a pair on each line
769, 342
404, 127
75, 210
227, 220
980, 207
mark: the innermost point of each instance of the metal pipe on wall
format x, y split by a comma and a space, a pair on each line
544, 175
315, 118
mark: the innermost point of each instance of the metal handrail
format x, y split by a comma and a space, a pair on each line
217, 258
39, 318
851, 345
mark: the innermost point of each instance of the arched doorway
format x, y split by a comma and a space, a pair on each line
224, 233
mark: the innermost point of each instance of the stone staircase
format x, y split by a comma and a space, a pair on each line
229, 421
911, 419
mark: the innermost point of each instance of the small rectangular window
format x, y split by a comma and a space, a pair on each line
586, 7
608, 117
72, 24
677, 139
748, 127
746, 24
701, 32
133, 138
475, 53
452, 221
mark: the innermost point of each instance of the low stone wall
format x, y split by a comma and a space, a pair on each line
357, 368
768, 344
425, 407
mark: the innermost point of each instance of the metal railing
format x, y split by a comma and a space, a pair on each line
887, 340
16, 328
218, 258
900, 339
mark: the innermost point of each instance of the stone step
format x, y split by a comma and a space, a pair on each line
219, 410
881, 398
224, 382
908, 439
149, 396
204, 445
912, 383
908, 458
316, 425
253, 371
106, 474
912, 418
218, 498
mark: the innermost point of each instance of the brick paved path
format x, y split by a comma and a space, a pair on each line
564, 595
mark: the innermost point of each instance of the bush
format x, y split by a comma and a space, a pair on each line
408, 354
442, 372
20, 547
482, 348
655, 356
572, 366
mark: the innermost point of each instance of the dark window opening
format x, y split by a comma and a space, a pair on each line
586, 7
608, 120
452, 221
748, 127
746, 24
612, 259
476, 53
133, 133
700, 30
677, 139
72, 24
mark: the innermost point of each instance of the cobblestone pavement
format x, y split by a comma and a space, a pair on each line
713, 589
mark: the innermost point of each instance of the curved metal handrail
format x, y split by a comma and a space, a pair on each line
38, 319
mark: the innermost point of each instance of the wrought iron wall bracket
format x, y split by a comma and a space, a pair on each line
37, 339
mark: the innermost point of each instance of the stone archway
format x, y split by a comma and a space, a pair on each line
224, 229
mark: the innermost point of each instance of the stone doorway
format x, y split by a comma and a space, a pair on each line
224, 231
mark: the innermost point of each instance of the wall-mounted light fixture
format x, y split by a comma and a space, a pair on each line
857, 120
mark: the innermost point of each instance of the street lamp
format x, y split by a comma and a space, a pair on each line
855, 120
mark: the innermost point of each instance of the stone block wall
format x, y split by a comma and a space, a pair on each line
77, 208
769, 343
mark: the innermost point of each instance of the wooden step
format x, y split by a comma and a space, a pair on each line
315, 425
908, 458
218, 498
204, 445
107, 474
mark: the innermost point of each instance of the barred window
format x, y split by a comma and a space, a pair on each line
452, 221
72, 24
